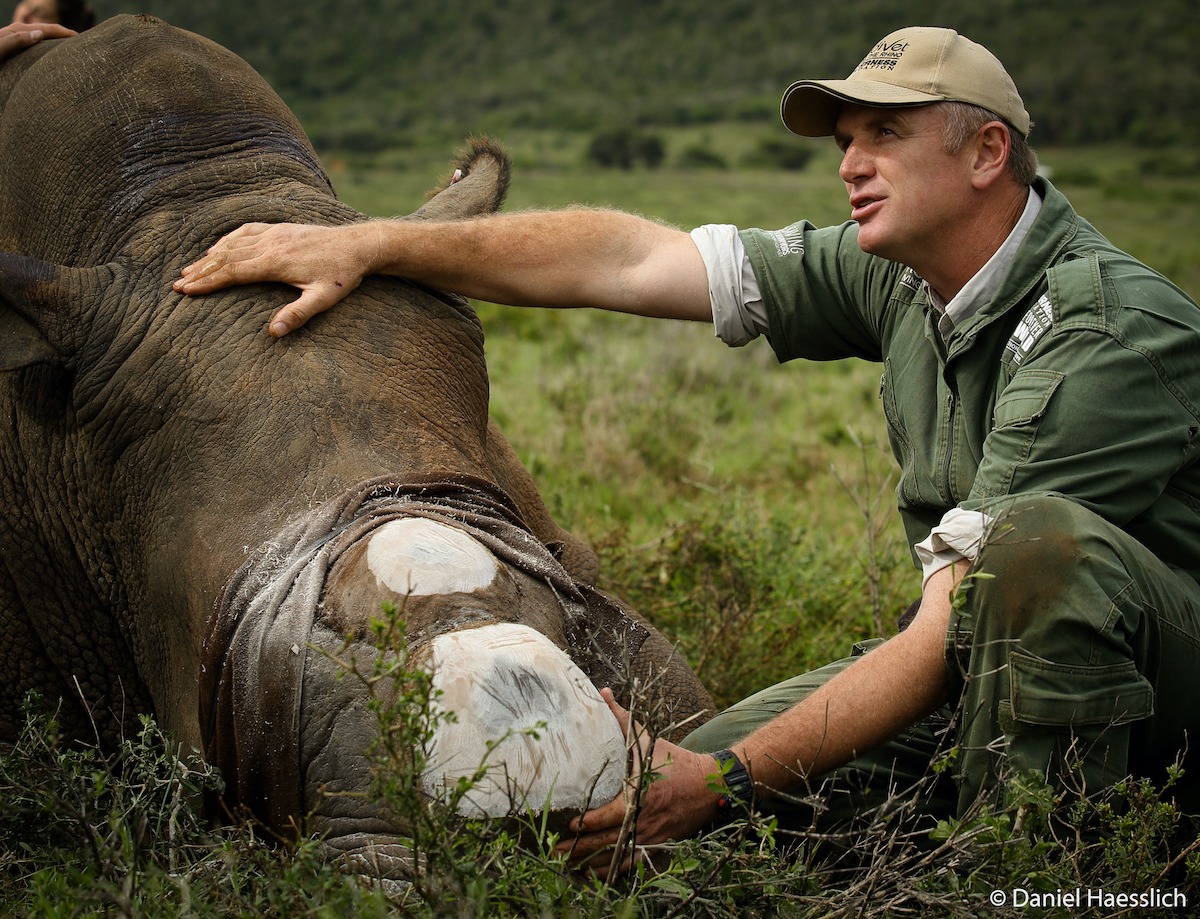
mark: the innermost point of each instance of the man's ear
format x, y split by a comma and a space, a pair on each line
991, 148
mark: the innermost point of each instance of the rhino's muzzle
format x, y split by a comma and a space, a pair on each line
281, 728
554, 743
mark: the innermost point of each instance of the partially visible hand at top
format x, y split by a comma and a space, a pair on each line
20, 35
325, 263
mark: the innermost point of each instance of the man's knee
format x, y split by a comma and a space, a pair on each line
1029, 553
1047, 572
1048, 655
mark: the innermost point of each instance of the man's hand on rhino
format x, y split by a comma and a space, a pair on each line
325, 263
676, 804
20, 35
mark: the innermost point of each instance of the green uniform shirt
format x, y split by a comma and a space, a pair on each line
1079, 378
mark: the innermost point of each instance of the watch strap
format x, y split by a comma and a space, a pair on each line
739, 789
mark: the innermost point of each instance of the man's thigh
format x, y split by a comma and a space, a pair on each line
1084, 652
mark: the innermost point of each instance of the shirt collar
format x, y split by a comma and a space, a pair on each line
984, 284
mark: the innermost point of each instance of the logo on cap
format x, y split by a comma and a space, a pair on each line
884, 56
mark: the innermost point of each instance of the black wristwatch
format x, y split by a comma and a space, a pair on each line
738, 787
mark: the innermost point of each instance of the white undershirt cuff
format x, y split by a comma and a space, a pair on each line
957, 538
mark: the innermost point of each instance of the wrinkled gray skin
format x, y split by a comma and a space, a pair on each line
151, 440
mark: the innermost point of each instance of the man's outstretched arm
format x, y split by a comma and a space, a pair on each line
597, 258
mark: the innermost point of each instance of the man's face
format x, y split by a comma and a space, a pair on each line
36, 11
910, 198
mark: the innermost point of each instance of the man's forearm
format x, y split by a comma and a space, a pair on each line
888, 689
595, 258
603, 259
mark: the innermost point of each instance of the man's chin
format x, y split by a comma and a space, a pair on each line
870, 242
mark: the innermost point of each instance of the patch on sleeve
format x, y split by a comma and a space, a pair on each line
1030, 329
789, 240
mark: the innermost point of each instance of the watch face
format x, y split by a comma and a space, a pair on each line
737, 780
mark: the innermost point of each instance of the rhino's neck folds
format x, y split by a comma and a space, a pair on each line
507, 683
420, 557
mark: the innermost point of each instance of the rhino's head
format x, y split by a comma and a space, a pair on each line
167, 459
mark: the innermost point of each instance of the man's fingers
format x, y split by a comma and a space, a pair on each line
20, 35
238, 261
18, 41
311, 302
245, 235
619, 713
238, 245
30, 33
589, 851
607, 817
212, 273
200, 269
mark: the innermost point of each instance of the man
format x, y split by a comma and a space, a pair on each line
1042, 391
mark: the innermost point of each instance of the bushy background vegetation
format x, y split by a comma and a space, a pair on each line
745, 506
372, 73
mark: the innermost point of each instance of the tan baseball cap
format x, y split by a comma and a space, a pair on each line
913, 66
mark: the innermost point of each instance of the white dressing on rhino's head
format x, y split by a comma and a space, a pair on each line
505, 683
418, 556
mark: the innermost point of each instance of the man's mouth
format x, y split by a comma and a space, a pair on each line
863, 206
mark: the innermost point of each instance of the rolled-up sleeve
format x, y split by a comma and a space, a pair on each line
738, 312
958, 537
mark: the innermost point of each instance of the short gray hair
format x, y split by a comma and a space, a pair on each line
961, 121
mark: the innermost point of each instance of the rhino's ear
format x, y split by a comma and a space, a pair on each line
21, 345
42, 310
481, 183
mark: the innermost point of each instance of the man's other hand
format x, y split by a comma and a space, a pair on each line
21, 35
676, 804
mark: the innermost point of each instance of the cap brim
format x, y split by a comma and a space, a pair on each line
810, 107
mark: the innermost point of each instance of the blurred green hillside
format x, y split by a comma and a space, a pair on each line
370, 74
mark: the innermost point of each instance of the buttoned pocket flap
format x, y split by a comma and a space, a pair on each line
1047, 693
1026, 397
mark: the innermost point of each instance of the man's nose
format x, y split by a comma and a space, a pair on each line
855, 164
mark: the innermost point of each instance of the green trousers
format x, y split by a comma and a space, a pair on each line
1077, 656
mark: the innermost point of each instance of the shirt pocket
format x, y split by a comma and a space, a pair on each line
1015, 420
1024, 400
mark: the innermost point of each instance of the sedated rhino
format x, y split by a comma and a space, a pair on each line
192, 510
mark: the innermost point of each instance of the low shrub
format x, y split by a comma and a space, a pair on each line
87, 835
776, 153
701, 157
625, 147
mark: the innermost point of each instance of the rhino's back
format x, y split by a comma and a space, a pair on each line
96, 133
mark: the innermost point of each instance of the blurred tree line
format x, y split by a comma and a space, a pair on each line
378, 73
